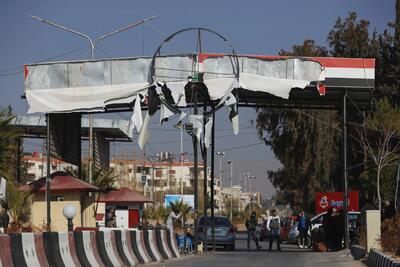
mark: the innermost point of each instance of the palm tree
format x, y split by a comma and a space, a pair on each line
8, 138
16, 204
105, 180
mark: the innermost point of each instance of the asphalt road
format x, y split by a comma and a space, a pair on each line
290, 256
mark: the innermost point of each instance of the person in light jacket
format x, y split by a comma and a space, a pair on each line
274, 226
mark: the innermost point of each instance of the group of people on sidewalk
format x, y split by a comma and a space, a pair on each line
274, 226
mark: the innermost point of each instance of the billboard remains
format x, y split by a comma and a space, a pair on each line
324, 201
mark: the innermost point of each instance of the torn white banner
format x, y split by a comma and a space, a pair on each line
207, 135
144, 132
217, 88
197, 122
165, 113
75, 99
231, 104
275, 86
178, 92
137, 118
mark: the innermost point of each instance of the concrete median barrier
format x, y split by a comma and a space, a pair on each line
139, 247
107, 249
151, 245
124, 247
86, 249
60, 249
171, 239
5, 251
27, 250
162, 244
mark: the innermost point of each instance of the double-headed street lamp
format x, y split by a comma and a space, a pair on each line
93, 43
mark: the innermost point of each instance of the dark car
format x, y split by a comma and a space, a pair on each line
224, 232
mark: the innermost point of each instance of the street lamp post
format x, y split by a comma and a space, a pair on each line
251, 193
69, 212
231, 163
221, 156
153, 160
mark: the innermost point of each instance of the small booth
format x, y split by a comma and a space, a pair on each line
125, 205
64, 189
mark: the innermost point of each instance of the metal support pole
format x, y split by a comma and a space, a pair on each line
345, 174
212, 183
195, 174
205, 195
48, 177
70, 225
231, 215
19, 160
152, 180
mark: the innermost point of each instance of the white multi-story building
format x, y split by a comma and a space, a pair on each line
156, 179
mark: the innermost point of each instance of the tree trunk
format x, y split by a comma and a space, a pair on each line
378, 180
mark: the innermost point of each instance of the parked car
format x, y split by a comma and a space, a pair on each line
316, 222
224, 232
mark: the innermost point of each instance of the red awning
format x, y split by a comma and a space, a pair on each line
60, 182
124, 195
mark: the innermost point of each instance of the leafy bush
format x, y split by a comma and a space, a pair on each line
390, 236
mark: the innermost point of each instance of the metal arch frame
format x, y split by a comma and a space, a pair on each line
199, 29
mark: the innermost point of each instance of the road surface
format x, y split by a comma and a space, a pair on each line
290, 256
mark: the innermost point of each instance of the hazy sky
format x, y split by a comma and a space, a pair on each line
253, 27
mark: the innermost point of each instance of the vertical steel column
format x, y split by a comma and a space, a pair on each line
212, 182
48, 178
345, 173
195, 174
19, 160
205, 179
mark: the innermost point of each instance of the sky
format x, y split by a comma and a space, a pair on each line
252, 27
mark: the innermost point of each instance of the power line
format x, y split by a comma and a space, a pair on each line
3, 73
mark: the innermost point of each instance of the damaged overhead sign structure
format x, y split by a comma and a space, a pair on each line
163, 82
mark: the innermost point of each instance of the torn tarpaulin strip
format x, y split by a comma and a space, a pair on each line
137, 119
152, 100
207, 134
231, 104
165, 113
218, 88
276, 86
178, 92
197, 122
144, 131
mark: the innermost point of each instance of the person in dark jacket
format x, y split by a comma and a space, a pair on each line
251, 225
304, 227
327, 225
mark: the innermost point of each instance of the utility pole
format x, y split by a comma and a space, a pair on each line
221, 156
212, 183
345, 175
48, 177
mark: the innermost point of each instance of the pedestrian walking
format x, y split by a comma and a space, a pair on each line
274, 225
170, 220
251, 225
304, 227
